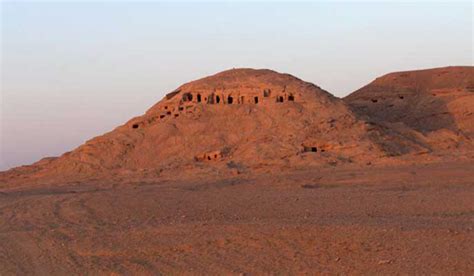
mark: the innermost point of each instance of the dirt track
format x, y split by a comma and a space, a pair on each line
416, 220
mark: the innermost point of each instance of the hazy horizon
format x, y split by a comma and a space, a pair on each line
73, 71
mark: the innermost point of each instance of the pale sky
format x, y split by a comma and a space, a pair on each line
72, 71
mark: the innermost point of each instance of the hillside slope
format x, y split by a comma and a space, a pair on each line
439, 103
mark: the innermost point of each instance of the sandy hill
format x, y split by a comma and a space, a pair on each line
235, 121
438, 103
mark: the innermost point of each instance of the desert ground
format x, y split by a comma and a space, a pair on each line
415, 219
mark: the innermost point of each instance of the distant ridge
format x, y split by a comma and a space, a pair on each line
431, 100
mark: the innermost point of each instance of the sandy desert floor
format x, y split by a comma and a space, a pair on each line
385, 220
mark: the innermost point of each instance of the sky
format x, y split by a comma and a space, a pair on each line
72, 71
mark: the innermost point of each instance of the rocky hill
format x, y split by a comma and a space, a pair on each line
235, 121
